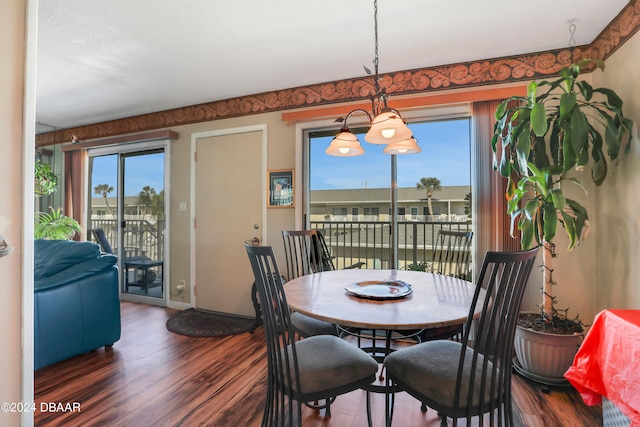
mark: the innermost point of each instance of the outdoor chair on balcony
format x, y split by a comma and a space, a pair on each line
327, 258
302, 253
145, 276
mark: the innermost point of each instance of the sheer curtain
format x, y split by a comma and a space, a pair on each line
489, 204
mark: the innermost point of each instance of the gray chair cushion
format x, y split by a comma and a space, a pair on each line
328, 362
308, 326
431, 368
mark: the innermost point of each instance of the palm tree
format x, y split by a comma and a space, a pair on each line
104, 190
430, 185
467, 206
146, 198
157, 205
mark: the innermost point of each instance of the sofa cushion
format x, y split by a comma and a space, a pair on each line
54, 256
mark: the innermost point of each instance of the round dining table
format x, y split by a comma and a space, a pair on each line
431, 300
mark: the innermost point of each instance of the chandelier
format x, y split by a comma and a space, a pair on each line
387, 126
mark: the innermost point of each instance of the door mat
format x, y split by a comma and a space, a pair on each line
201, 323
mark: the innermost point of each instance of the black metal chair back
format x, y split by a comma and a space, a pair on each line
302, 252
328, 365
480, 381
452, 254
504, 277
283, 375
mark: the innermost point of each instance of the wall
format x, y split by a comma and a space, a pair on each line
12, 46
280, 155
575, 271
618, 232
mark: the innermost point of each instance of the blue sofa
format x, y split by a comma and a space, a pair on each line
76, 304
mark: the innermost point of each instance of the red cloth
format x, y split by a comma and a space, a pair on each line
608, 362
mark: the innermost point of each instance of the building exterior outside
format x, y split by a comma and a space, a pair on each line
357, 223
373, 204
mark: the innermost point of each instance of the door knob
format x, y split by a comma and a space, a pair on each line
255, 241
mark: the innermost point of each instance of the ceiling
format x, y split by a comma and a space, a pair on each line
100, 60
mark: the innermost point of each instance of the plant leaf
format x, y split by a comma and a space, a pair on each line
549, 221
611, 139
612, 98
539, 119
586, 90
526, 227
531, 208
532, 89
555, 144
523, 148
568, 155
569, 227
567, 103
502, 108
558, 198
579, 131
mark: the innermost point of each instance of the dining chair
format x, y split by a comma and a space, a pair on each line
451, 257
314, 368
452, 254
303, 256
471, 377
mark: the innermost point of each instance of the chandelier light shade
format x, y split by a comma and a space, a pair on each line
408, 146
387, 126
345, 144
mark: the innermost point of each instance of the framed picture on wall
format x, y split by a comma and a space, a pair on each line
280, 188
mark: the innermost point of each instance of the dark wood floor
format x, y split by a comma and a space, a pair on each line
153, 377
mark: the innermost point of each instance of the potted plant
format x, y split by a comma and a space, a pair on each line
560, 126
54, 225
44, 180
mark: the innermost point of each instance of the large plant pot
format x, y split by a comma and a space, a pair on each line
545, 356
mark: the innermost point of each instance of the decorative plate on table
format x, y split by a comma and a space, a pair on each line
380, 289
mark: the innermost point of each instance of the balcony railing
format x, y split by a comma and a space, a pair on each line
354, 241
140, 237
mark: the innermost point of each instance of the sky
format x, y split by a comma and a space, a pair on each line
140, 171
445, 155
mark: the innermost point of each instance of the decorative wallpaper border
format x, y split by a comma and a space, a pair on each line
424, 80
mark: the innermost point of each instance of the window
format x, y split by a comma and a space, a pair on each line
340, 211
371, 212
361, 186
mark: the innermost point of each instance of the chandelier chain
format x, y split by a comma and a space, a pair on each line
572, 40
375, 29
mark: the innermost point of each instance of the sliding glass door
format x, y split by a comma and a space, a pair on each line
127, 215
349, 198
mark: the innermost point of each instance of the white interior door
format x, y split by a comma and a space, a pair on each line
229, 210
